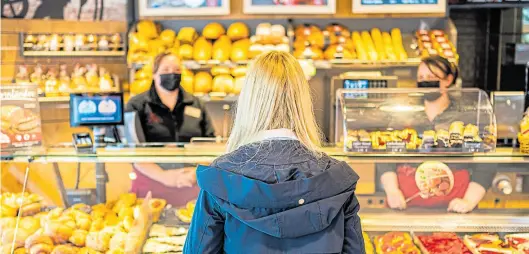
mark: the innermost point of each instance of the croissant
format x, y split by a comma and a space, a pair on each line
30, 224
40, 249
30, 209
78, 238
65, 249
82, 207
36, 240
97, 225
118, 241
58, 232
84, 223
8, 237
98, 241
8, 211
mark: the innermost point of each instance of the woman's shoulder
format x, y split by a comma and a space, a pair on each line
273, 152
138, 101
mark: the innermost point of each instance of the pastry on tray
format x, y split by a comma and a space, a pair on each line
518, 241
395, 243
368, 245
152, 246
443, 243
164, 231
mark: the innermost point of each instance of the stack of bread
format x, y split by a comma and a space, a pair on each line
435, 42
101, 228
220, 79
337, 42
267, 38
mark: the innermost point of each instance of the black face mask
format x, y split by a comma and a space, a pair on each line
430, 84
170, 81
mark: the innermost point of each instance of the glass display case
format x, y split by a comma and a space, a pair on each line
420, 120
127, 210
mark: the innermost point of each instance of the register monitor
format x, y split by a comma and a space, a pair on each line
96, 109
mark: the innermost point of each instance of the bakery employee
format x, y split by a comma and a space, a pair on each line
471, 181
168, 114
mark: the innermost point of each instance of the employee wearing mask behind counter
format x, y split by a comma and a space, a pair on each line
440, 110
168, 114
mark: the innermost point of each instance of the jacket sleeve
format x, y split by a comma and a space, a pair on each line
353, 240
206, 234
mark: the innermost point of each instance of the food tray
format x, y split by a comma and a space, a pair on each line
170, 219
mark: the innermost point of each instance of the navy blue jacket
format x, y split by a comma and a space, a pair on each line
275, 196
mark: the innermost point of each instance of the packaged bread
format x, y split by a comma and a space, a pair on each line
222, 49
203, 82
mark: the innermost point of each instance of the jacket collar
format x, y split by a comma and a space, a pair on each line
183, 97
275, 134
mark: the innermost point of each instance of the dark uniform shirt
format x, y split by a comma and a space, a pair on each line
187, 120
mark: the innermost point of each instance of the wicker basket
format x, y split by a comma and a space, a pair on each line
524, 144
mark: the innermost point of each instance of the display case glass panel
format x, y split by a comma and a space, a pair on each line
420, 120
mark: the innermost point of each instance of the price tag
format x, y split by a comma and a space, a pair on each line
472, 147
361, 147
396, 147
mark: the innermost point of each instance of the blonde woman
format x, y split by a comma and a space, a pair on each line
275, 192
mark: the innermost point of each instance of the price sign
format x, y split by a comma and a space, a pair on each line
396, 147
21, 126
361, 147
399, 6
472, 147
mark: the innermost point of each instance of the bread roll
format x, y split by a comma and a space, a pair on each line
213, 31
218, 70
78, 238
238, 31
59, 232
203, 82
36, 239
202, 49
222, 49
65, 249
187, 35
41, 249
223, 84
239, 51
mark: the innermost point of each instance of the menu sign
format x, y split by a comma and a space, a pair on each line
399, 6
20, 117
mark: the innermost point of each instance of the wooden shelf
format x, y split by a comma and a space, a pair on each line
74, 53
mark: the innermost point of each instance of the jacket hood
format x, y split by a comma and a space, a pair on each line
291, 208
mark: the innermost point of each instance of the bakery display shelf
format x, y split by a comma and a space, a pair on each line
74, 53
201, 65
444, 222
214, 96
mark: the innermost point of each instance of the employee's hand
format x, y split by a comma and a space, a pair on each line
396, 199
459, 205
179, 178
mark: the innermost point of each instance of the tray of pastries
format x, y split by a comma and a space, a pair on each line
459, 138
102, 228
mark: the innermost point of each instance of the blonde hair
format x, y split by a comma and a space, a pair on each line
275, 95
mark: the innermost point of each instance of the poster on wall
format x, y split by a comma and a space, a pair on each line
20, 118
86, 10
399, 6
154, 8
290, 6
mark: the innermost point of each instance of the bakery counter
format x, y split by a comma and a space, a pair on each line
174, 154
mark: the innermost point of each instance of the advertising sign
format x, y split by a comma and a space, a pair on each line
399, 6
290, 6
155, 8
20, 117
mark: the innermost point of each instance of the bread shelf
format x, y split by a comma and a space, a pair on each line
74, 53
217, 97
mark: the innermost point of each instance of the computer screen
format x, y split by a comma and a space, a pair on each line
96, 109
